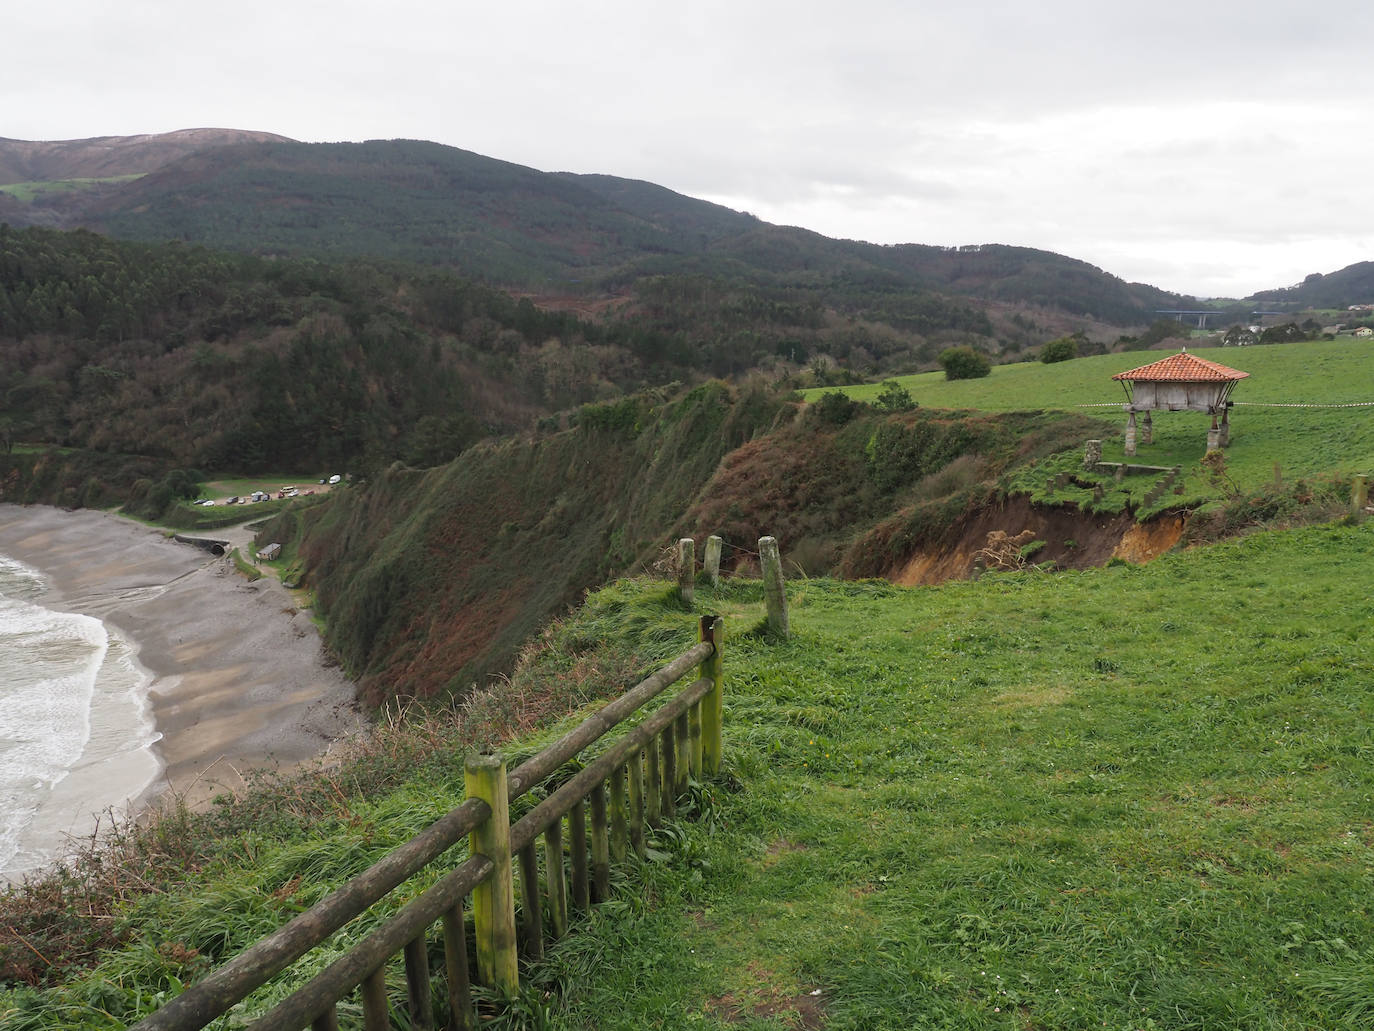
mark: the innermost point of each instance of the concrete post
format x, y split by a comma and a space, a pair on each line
686, 569
1092, 454
1359, 494
774, 590
1130, 432
712, 563
1147, 430
1224, 439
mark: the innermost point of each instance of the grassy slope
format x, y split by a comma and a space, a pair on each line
1119, 798
1302, 441
28, 192
1127, 797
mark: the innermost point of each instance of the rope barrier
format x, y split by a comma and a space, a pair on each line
1256, 404
1302, 404
736, 547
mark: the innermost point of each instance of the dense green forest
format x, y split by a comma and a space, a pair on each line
234, 362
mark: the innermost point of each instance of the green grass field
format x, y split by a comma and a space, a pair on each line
1302, 442
28, 192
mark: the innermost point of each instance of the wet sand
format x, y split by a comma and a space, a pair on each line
240, 682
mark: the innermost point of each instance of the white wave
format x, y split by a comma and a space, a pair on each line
59, 671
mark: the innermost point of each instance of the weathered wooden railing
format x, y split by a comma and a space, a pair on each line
647, 771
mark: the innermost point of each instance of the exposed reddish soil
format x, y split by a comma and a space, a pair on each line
1073, 540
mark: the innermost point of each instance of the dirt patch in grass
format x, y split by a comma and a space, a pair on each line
804, 1011
1145, 541
1071, 540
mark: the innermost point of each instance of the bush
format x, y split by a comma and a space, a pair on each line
835, 408
894, 398
1060, 350
964, 363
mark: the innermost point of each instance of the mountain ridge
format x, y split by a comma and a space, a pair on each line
512, 225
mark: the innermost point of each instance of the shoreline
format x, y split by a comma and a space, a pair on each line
238, 681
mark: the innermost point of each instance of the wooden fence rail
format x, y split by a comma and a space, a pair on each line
647, 771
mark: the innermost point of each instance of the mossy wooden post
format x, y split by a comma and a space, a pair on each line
711, 562
686, 569
774, 591
418, 998
493, 901
577, 845
712, 628
620, 827
636, 770
456, 969
531, 902
694, 739
682, 741
653, 785
556, 879
601, 846
1359, 495
376, 1011
668, 792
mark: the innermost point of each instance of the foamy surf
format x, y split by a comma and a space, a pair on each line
75, 731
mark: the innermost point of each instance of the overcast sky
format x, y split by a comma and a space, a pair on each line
1211, 147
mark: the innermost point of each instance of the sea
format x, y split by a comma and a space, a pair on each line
76, 731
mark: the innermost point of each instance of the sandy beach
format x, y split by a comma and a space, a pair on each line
239, 678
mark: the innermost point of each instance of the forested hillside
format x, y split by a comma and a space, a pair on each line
231, 362
563, 233
1353, 284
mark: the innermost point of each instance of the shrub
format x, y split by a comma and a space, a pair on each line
835, 408
894, 398
1060, 350
964, 363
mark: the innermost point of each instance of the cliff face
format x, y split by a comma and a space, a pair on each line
431, 580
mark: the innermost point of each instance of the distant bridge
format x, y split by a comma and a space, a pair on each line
1201, 316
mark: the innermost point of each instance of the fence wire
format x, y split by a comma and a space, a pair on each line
1256, 404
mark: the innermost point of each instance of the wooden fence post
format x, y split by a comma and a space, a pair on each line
712, 560
712, 628
686, 569
620, 811
1359, 495
493, 901
774, 591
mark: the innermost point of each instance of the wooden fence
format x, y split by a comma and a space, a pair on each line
645, 772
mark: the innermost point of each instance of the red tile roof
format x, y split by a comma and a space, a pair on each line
1183, 368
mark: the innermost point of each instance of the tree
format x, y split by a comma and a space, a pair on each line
1238, 336
1287, 333
964, 363
835, 407
894, 398
1060, 350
